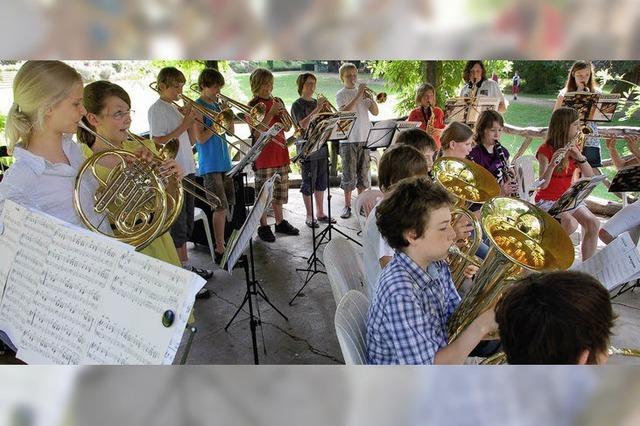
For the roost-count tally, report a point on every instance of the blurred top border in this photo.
(319, 29)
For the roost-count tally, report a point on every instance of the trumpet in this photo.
(328, 107)
(222, 121)
(379, 97)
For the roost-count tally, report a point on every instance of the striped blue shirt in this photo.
(407, 321)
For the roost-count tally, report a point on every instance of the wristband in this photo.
(581, 162)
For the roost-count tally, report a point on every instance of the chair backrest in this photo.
(366, 202)
(523, 168)
(351, 327)
(344, 269)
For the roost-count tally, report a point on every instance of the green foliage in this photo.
(542, 76)
(403, 77)
(629, 97)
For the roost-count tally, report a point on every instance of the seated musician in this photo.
(457, 140)
(560, 317)
(407, 321)
(489, 152)
(421, 141)
(431, 117)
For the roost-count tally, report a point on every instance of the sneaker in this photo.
(346, 213)
(204, 273)
(265, 234)
(312, 223)
(204, 293)
(285, 227)
(325, 219)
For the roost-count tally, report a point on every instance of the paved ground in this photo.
(308, 337)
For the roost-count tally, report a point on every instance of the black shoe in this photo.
(325, 219)
(346, 213)
(265, 234)
(204, 293)
(285, 227)
(204, 273)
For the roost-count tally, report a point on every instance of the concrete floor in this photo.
(309, 336)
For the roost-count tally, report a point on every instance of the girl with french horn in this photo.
(431, 117)
(47, 106)
(560, 164)
(108, 113)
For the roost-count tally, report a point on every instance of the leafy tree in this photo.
(403, 77)
(543, 76)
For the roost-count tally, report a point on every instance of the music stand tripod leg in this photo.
(187, 348)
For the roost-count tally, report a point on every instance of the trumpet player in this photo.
(560, 164)
(355, 157)
(314, 169)
(166, 123)
(429, 115)
(274, 158)
(213, 156)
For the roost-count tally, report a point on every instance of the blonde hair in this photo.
(38, 86)
(344, 67)
(258, 77)
(421, 90)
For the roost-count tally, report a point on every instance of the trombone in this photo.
(222, 120)
(288, 122)
(380, 97)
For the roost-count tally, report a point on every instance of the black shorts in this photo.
(593, 155)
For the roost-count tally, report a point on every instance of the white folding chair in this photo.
(365, 202)
(198, 214)
(351, 327)
(523, 168)
(344, 267)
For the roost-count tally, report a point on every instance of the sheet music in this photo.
(256, 149)
(251, 224)
(381, 134)
(74, 297)
(617, 263)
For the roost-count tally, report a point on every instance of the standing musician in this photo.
(314, 169)
(561, 163)
(47, 106)
(213, 156)
(355, 157)
(109, 114)
(430, 116)
(167, 123)
(477, 84)
(274, 158)
(489, 153)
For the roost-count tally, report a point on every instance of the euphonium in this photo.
(469, 183)
(522, 237)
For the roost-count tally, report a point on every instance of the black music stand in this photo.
(383, 133)
(339, 126)
(592, 107)
(233, 255)
(575, 195)
(626, 180)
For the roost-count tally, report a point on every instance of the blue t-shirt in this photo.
(213, 155)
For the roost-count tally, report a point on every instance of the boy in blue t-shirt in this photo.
(213, 155)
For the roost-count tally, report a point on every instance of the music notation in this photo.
(74, 297)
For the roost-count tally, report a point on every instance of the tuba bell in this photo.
(469, 183)
(523, 238)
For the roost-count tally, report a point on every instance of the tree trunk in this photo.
(430, 72)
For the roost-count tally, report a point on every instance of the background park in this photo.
(540, 82)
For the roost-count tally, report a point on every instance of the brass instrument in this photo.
(222, 121)
(253, 116)
(500, 358)
(523, 237)
(139, 202)
(169, 150)
(469, 183)
(379, 97)
(429, 125)
(327, 107)
(288, 122)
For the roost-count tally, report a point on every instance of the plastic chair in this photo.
(365, 202)
(198, 214)
(523, 168)
(344, 268)
(351, 327)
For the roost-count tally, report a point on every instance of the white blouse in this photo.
(35, 182)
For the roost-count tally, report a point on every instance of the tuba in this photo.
(523, 238)
(469, 183)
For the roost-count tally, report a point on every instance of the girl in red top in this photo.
(559, 168)
(425, 98)
(274, 157)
